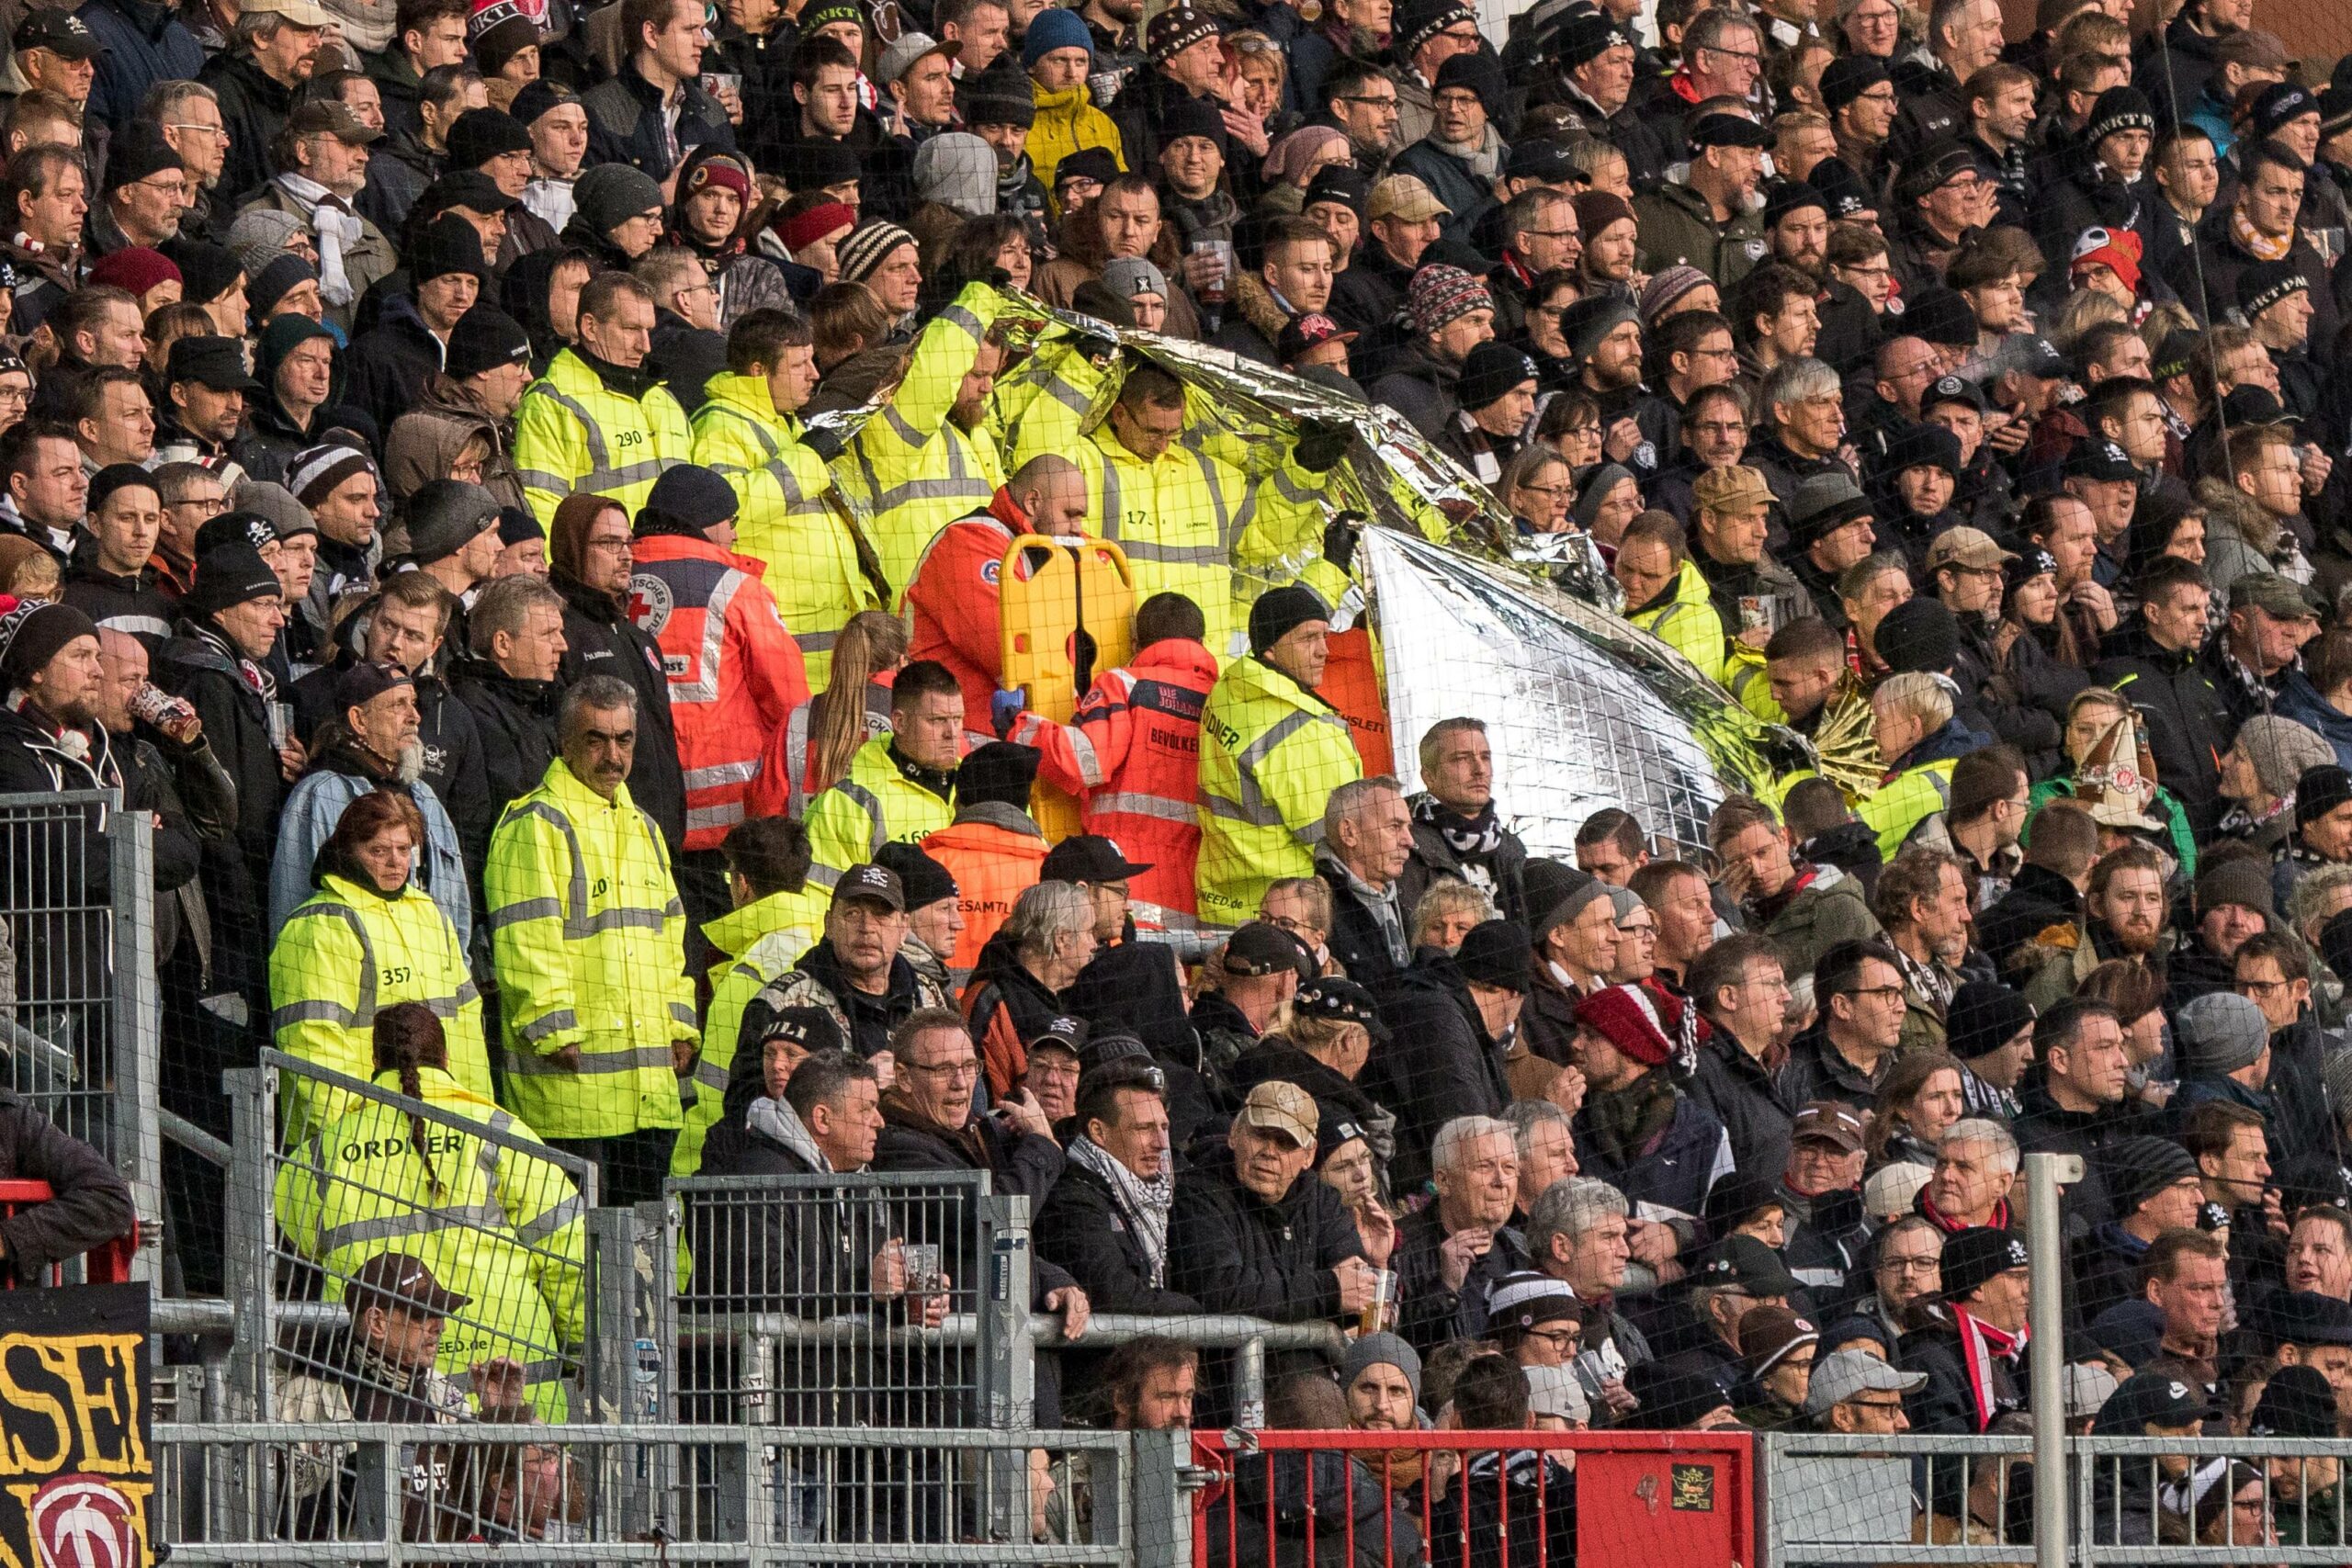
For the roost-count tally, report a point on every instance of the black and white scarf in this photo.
(1144, 1204)
(1470, 838)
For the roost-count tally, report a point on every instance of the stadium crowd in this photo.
(420, 498)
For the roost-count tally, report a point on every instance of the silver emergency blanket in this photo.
(1584, 711)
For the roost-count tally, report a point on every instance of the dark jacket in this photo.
(604, 641)
(92, 1205)
(2189, 723)
(1439, 1064)
(1430, 1313)
(393, 366)
(1504, 872)
(196, 665)
(128, 604)
(1080, 1229)
(1422, 387)
(1746, 1100)
(54, 870)
(1520, 1513)
(1357, 940)
(1353, 1520)
(515, 735)
(2044, 1128)
(253, 107)
(625, 122)
(145, 44)
(2038, 899)
(1234, 1252)
(1815, 1070)
(1671, 1162)
(1943, 1404)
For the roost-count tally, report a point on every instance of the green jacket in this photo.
(2167, 809)
(1677, 226)
(2324, 1509)
(1830, 911)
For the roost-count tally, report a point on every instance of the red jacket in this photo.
(1132, 752)
(735, 672)
(788, 763)
(952, 604)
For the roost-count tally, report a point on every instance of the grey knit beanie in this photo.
(2281, 751)
(1382, 1350)
(958, 169)
(260, 236)
(2219, 1032)
(609, 195)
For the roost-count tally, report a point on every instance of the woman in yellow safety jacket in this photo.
(365, 940)
(500, 1226)
(1920, 741)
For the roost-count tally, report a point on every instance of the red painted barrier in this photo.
(1474, 1499)
(108, 1265)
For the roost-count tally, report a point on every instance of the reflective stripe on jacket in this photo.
(994, 852)
(493, 1223)
(790, 517)
(1177, 517)
(735, 673)
(873, 806)
(919, 469)
(763, 940)
(1271, 752)
(588, 941)
(343, 955)
(956, 609)
(1132, 753)
(1688, 623)
(574, 434)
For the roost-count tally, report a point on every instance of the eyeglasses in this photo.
(1554, 491)
(1377, 102)
(968, 1069)
(1749, 55)
(1909, 1265)
(1556, 235)
(1558, 1338)
(2262, 988)
(1875, 992)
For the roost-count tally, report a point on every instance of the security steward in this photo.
(1271, 752)
(1132, 754)
(735, 673)
(588, 940)
(820, 570)
(993, 849)
(901, 785)
(927, 457)
(600, 420)
(369, 937)
(502, 1229)
(1176, 509)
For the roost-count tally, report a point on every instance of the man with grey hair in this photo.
(255, 77)
(1456, 829)
(1367, 837)
(1576, 1233)
(1547, 1149)
(1803, 402)
(1016, 994)
(1450, 1255)
(1976, 1167)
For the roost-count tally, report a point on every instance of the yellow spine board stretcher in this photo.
(1067, 614)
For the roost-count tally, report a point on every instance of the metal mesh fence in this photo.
(387, 1205)
(824, 1301)
(317, 1493)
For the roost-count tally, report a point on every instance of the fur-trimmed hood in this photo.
(2226, 505)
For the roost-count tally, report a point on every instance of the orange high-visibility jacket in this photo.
(735, 671)
(1133, 753)
(994, 852)
(953, 606)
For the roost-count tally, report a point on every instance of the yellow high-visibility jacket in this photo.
(761, 940)
(1271, 752)
(873, 805)
(501, 1226)
(574, 433)
(918, 469)
(1177, 517)
(343, 955)
(588, 938)
(1896, 807)
(788, 519)
(1688, 623)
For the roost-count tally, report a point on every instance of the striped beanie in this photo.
(314, 471)
(865, 249)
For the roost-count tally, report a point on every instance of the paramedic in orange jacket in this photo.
(735, 671)
(953, 601)
(992, 849)
(1132, 753)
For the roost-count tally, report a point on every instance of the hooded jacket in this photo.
(2188, 722)
(601, 640)
(421, 442)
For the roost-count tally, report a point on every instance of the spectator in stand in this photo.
(1367, 842)
(1458, 1012)
(1970, 1343)
(1853, 1390)
(1858, 988)
(1451, 1255)
(1906, 1269)
(1106, 1220)
(1578, 1233)
(1738, 987)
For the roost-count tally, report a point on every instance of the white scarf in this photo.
(1144, 1203)
(337, 227)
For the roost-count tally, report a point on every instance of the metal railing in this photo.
(496, 1215)
(1832, 1499)
(324, 1493)
(81, 1018)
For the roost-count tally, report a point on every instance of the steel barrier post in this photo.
(1249, 1383)
(2046, 1351)
(138, 1024)
(1008, 1357)
(1161, 1480)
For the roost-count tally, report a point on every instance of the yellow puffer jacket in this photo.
(1067, 121)
(1271, 752)
(346, 953)
(589, 941)
(788, 520)
(493, 1223)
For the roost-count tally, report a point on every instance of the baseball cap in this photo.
(2101, 460)
(874, 885)
(1278, 1107)
(334, 117)
(1746, 1263)
(1091, 858)
(1341, 1002)
(1555, 1391)
(63, 33)
(900, 57)
(398, 1280)
(2152, 1396)
(1843, 1374)
(1966, 547)
(1953, 389)
(1260, 949)
(2273, 593)
(1309, 331)
(1403, 196)
(1827, 1122)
